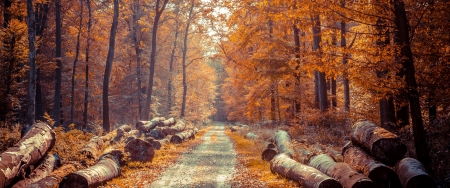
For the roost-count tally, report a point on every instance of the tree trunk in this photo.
(109, 61)
(168, 122)
(401, 21)
(117, 134)
(147, 126)
(140, 150)
(158, 13)
(77, 51)
(86, 88)
(268, 154)
(134, 134)
(157, 144)
(117, 153)
(283, 142)
(91, 149)
(57, 98)
(348, 177)
(382, 144)
(412, 174)
(297, 69)
(183, 63)
(28, 151)
(309, 177)
(54, 178)
(320, 76)
(44, 169)
(169, 84)
(31, 23)
(161, 132)
(362, 162)
(182, 137)
(344, 62)
(106, 168)
(137, 49)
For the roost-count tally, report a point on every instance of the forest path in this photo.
(210, 164)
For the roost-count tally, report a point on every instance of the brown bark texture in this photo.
(55, 177)
(134, 134)
(308, 176)
(146, 126)
(346, 175)
(182, 137)
(362, 162)
(157, 144)
(283, 142)
(105, 169)
(161, 132)
(167, 122)
(116, 135)
(268, 154)
(92, 148)
(412, 174)
(115, 152)
(28, 151)
(47, 165)
(140, 150)
(382, 144)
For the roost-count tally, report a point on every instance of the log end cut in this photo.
(74, 180)
(330, 183)
(412, 174)
(140, 150)
(268, 154)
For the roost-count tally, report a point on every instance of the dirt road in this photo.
(210, 164)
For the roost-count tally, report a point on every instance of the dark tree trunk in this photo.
(172, 57)
(342, 172)
(25, 153)
(412, 174)
(344, 62)
(86, 87)
(183, 63)
(46, 166)
(320, 76)
(58, 76)
(77, 52)
(272, 102)
(401, 22)
(6, 13)
(106, 168)
(137, 49)
(387, 113)
(297, 69)
(31, 23)
(109, 61)
(308, 176)
(382, 144)
(158, 13)
(431, 107)
(40, 27)
(283, 142)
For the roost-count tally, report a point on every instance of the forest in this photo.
(87, 68)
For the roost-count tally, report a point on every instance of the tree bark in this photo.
(147, 126)
(344, 62)
(77, 51)
(158, 13)
(412, 174)
(342, 172)
(309, 177)
(117, 153)
(401, 21)
(86, 87)
(169, 84)
(283, 142)
(183, 61)
(54, 178)
(109, 61)
(105, 169)
(382, 144)
(140, 150)
(297, 68)
(137, 49)
(362, 162)
(268, 154)
(182, 137)
(320, 76)
(93, 147)
(161, 132)
(28, 151)
(157, 144)
(117, 134)
(167, 123)
(31, 23)
(44, 169)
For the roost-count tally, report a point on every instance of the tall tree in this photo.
(172, 57)
(86, 87)
(41, 21)
(57, 97)
(344, 62)
(183, 61)
(320, 81)
(136, 12)
(158, 13)
(31, 23)
(77, 51)
(109, 61)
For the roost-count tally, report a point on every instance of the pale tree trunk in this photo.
(148, 102)
(109, 61)
(138, 52)
(169, 84)
(57, 98)
(77, 51)
(31, 22)
(186, 32)
(86, 87)
(344, 62)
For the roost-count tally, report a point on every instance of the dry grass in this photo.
(9, 136)
(137, 174)
(252, 171)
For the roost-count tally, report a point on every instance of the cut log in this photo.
(116, 134)
(270, 145)
(283, 142)
(28, 151)
(93, 147)
(55, 177)
(412, 174)
(146, 126)
(268, 154)
(140, 150)
(45, 167)
(347, 176)
(182, 137)
(234, 128)
(251, 136)
(157, 144)
(382, 144)
(309, 177)
(105, 169)
(168, 122)
(362, 162)
(162, 132)
(134, 134)
(115, 152)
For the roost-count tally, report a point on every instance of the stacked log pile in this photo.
(373, 158)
